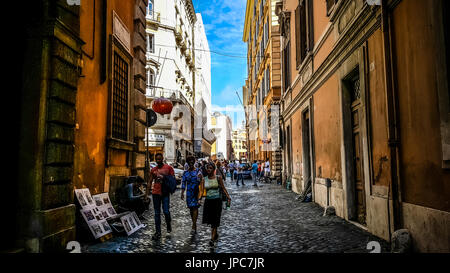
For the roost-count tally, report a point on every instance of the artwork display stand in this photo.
(100, 216)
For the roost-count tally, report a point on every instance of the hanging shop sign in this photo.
(156, 138)
(155, 144)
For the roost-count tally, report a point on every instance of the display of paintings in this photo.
(106, 227)
(88, 215)
(81, 199)
(98, 201)
(100, 229)
(87, 195)
(136, 218)
(84, 197)
(111, 211)
(130, 223)
(103, 202)
(97, 209)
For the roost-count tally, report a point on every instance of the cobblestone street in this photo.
(266, 219)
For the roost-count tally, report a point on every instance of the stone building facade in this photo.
(171, 74)
(365, 112)
(239, 138)
(222, 128)
(261, 33)
(82, 97)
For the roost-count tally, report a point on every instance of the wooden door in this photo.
(360, 195)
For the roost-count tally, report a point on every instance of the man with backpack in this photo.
(161, 178)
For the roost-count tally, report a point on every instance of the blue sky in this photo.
(224, 24)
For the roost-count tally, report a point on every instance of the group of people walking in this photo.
(202, 184)
(259, 169)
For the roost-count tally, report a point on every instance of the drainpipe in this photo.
(393, 121)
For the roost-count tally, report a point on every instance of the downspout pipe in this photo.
(393, 121)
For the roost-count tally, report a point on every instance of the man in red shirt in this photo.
(156, 178)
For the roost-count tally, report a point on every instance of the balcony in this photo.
(192, 64)
(183, 45)
(153, 18)
(173, 95)
(178, 34)
(188, 56)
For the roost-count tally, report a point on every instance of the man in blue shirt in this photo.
(254, 172)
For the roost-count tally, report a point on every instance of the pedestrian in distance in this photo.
(154, 188)
(190, 182)
(219, 170)
(232, 170)
(240, 175)
(212, 209)
(255, 172)
(259, 168)
(267, 170)
(261, 174)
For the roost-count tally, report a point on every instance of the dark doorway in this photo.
(352, 109)
(306, 140)
(289, 150)
(353, 85)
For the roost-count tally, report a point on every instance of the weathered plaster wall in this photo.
(377, 112)
(423, 180)
(320, 19)
(430, 228)
(327, 130)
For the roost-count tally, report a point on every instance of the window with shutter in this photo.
(297, 35)
(303, 30)
(303, 37)
(287, 66)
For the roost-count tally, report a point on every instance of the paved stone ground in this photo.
(266, 219)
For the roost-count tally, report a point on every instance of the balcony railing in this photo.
(174, 95)
(153, 16)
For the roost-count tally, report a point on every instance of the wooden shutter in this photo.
(303, 34)
(297, 34)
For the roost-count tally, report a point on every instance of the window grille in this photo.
(120, 99)
(356, 89)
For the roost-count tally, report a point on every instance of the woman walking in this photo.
(191, 182)
(212, 210)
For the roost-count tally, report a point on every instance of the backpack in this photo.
(169, 185)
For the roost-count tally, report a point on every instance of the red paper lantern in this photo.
(162, 106)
